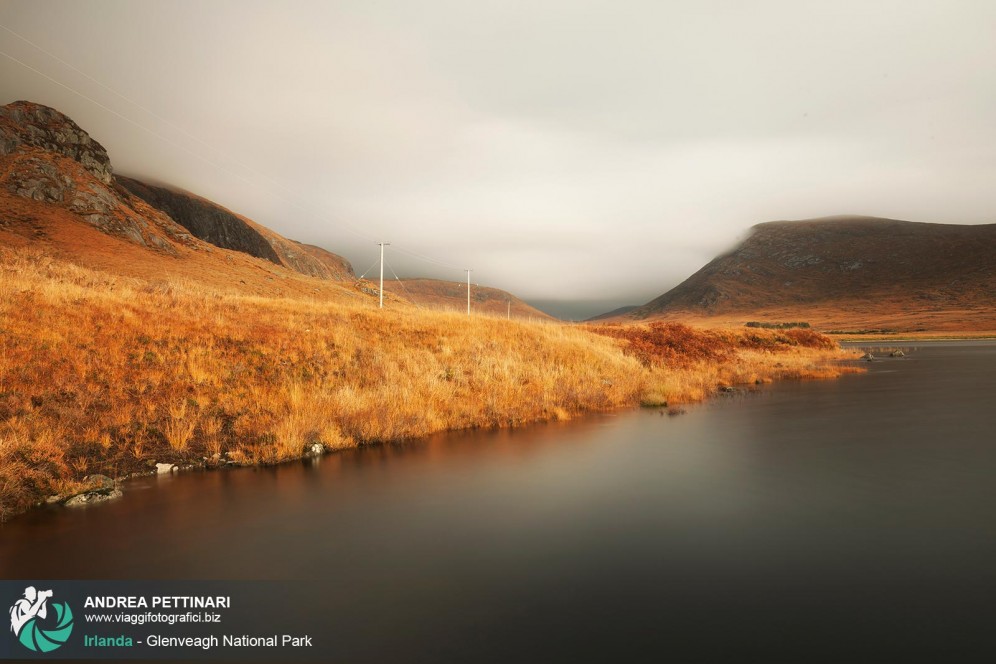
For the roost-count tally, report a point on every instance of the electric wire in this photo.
(402, 284)
(372, 266)
(292, 199)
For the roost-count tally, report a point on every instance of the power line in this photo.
(292, 199)
(427, 259)
(405, 288)
(136, 104)
(372, 265)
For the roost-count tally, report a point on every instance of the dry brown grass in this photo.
(684, 364)
(107, 374)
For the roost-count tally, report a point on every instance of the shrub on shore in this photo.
(775, 326)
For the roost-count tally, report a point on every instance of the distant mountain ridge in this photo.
(453, 295)
(846, 264)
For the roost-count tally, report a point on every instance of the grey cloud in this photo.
(570, 150)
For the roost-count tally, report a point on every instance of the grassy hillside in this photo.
(109, 374)
(847, 273)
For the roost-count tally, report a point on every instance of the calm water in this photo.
(852, 520)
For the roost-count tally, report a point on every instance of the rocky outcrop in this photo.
(98, 488)
(46, 157)
(30, 124)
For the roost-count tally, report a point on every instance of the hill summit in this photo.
(846, 270)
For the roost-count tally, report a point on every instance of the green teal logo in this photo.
(28, 621)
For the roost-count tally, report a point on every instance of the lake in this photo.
(847, 520)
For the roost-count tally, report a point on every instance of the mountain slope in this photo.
(615, 313)
(59, 194)
(221, 227)
(847, 270)
(46, 158)
(206, 221)
(436, 293)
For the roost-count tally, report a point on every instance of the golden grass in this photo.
(106, 374)
(684, 364)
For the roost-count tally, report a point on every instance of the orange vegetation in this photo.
(683, 363)
(109, 374)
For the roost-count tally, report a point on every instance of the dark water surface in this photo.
(848, 520)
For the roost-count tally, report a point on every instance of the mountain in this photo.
(49, 159)
(615, 313)
(440, 294)
(59, 193)
(846, 272)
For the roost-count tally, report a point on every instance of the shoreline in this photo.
(925, 339)
(117, 488)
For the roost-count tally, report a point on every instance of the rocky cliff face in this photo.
(46, 157)
(221, 227)
(24, 123)
(209, 222)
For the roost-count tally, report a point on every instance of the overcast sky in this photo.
(568, 150)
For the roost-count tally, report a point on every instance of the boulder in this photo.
(99, 488)
(34, 125)
(165, 468)
(90, 497)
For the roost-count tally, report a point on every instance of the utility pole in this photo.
(382, 245)
(468, 271)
